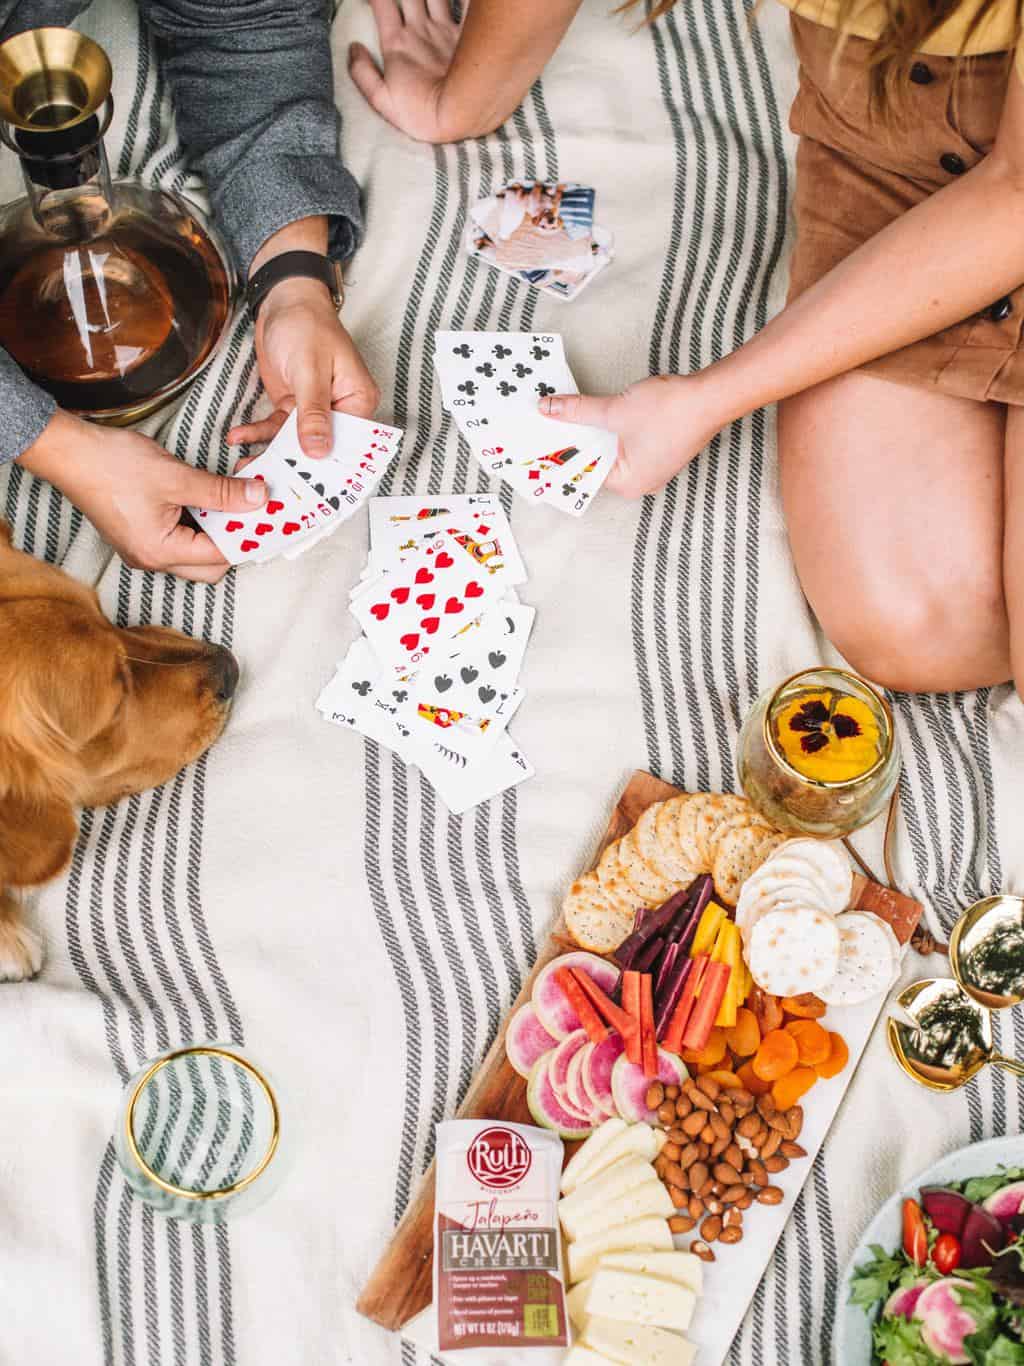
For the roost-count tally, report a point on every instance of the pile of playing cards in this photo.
(491, 383)
(543, 233)
(306, 499)
(435, 677)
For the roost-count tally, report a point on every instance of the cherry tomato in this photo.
(915, 1236)
(946, 1253)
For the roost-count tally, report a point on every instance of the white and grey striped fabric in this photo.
(301, 892)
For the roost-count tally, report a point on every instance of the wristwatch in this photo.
(309, 265)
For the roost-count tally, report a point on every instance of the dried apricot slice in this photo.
(813, 1043)
(837, 1059)
(711, 1054)
(788, 1090)
(805, 1007)
(744, 1038)
(777, 1055)
(725, 1078)
(751, 1081)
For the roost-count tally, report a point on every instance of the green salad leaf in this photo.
(878, 1278)
(1003, 1351)
(898, 1342)
(979, 1188)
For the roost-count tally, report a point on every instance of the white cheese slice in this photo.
(575, 1302)
(595, 1145)
(631, 1344)
(635, 1298)
(682, 1267)
(638, 1140)
(612, 1184)
(638, 1203)
(640, 1234)
(584, 1356)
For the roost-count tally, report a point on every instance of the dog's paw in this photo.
(21, 951)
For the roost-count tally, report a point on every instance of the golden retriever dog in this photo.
(88, 714)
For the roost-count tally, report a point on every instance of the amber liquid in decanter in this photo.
(106, 322)
(113, 295)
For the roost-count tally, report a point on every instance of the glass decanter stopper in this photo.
(113, 296)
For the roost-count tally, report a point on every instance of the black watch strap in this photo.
(310, 265)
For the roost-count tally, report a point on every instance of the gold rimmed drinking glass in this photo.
(819, 754)
(943, 1038)
(199, 1133)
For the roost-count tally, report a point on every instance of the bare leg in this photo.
(894, 502)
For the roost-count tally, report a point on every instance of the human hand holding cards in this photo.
(491, 383)
(306, 499)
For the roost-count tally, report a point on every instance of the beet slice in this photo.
(948, 1210)
(982, 1240)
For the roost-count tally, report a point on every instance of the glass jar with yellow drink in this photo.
(819, 753)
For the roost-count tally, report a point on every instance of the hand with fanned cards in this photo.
(307, 499)
(491, 383)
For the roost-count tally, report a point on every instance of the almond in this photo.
(748, 1126)
(666, 1113)
(727, 1174)
(684, 1106)
(698, 1174)
(679, 1197)
(701, 1250)
(680, 1223)
(693, 1124)
(655, 1095)
(711, 1228)
(671, 1093)
(776, 1164)
(696, 1207)
(770, 1195)
(771, 1144)
(791, 1149)
(731, 1235)
(709, 1086)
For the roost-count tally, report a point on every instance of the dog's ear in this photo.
(37, 836)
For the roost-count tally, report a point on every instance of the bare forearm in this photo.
(503, 49)
(945, 259)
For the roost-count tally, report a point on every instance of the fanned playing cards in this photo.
(435, 677)
(491, 383)
(306, 499)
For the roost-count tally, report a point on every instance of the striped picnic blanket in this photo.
(301, 892)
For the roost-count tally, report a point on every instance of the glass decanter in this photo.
(113, 296)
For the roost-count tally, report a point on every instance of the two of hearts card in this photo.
(307, 499)
(491, 383)
(542, 232)
(435, 676)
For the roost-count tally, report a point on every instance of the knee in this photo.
(923, 637)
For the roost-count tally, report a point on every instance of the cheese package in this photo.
(498, 1283)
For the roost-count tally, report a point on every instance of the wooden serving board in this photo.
(401, 1284)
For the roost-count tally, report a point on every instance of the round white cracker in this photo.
(651, 848)
(666, 835)
(780, 868)
(592, 920)
(647, 883)
(718, 808)
(832, 864)
(794, 951)
(759, 901)
(737, 855)
(608, 864)
(869, 957)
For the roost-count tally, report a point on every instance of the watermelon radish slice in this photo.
(902, 1303)
(944, 1321)
(554, 1009)
(630, 1086)
(558, 1072)
(597, 1072)
(544, 1106)
(578, 1098)
(1006, 1202)
(526, 1040)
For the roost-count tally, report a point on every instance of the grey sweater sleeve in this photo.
(253, 92)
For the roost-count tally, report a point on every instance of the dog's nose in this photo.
(224, 668)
